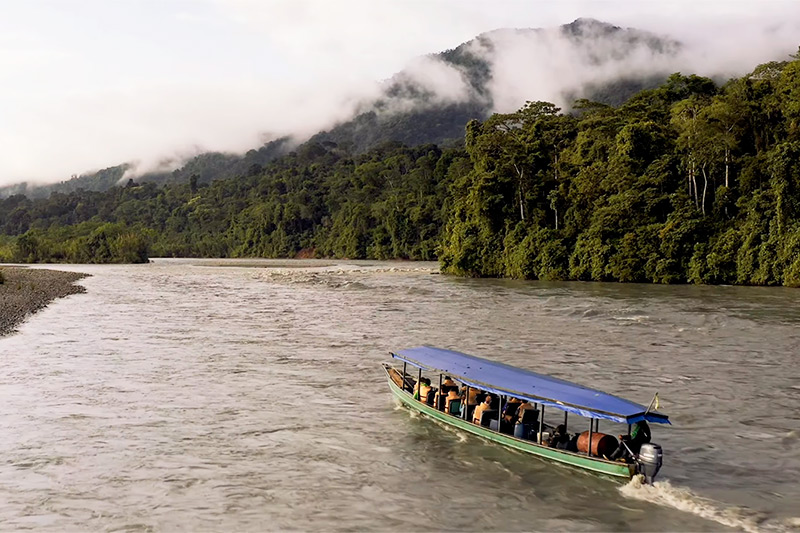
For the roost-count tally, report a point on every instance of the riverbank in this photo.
(23, 291)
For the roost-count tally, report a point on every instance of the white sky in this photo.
(87, 84)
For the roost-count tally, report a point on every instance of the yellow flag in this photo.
(655, 404)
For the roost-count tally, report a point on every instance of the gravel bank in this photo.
(27, 290)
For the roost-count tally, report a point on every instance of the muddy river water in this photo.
(248, 396)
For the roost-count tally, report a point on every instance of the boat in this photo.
(530, 436)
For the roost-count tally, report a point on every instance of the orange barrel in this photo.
(602, 444)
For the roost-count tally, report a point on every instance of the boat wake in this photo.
(683, 499)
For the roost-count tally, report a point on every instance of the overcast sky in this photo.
(87, 84)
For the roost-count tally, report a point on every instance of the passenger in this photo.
(448, 382)
(560, 438)
(572, 445)
(473, 396)
(425, 390)
(510, 410)
(486, 405)
(437, 399)
(522, 408)
(640, 434)
(452, 395)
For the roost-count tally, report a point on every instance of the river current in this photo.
(248, 396)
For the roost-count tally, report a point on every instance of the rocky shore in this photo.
(24, 291)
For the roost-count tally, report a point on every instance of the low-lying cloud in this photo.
(227, 75)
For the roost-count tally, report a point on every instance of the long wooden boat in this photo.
(506, 381)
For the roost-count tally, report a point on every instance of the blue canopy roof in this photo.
(510, 381)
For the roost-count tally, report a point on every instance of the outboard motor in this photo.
(649, 461)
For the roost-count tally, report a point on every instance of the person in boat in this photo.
(560, 438)
(510, 410)
(422, 395)
(640, 434)
(486, 405)
(473, 396)
(452, 395)
(449, 393)
(522, 408)
(448, 385)
(425, 390)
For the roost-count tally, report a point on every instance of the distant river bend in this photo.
(247, 395)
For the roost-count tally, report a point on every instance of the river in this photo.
(248, 396)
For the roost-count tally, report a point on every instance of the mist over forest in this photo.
(629, 173)
(430, 100)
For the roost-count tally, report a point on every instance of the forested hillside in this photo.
(207, 166)
(389, 203)
(410, 110)
(424, 119)
(687, 182)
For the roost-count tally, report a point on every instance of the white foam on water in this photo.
(683, 499)
(633, 318)
(458, 433)
(793, 522)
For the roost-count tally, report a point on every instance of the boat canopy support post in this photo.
(541, 424)
(404, 375)
(591, 426)
(419, 386)
(565, 421)
(465, 407)
(438, 397)
(499, 413)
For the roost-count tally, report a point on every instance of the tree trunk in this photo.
(705, 187)
(727, 165)
(521, 175)
(556, 168)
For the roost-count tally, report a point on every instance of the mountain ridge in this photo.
(413, 112)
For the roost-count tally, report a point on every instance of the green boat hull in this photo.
(601, 466)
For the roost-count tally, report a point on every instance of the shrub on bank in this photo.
(83, 243)
(6, 249)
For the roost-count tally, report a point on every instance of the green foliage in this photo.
(318, 201)
(6, 249)
(88, 242)
(685, 182)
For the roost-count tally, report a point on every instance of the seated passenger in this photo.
(522, 407)
(452, 395)
(560, 438)
(572, 445)
(510, 410)
(473, 396)
(476, 415)
(425, 383)
(448, 382)
(425, 390)
(640, 434)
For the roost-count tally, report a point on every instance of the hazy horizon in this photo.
(90, 84)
